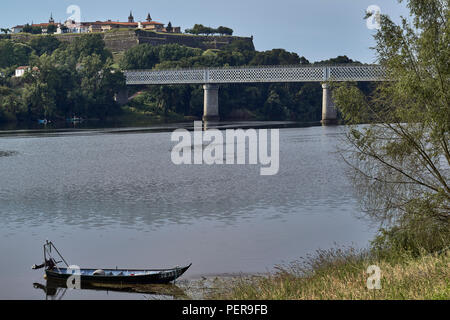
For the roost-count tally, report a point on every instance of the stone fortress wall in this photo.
(122, 40)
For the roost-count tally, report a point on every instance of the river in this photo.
(113, 197)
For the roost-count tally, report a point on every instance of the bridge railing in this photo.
(257, 74)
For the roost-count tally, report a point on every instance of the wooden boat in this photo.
(107, 276)
(119, 276)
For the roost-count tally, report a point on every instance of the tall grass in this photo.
(340, 274)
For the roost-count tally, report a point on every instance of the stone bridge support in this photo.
(211, 102)
(329, 112)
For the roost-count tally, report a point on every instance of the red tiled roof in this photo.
(129, 24)
(42, 24)
(151, 22)
(104, 23)
(36, 25)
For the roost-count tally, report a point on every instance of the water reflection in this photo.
(57, 290)
(109, 195)
(129, 179)
(7, 153)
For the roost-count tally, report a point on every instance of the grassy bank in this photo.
(341, 275)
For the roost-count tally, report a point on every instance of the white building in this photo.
(20, 71)
(17, 29)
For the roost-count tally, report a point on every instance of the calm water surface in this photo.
(113, 198)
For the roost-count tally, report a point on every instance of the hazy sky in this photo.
(316, 29)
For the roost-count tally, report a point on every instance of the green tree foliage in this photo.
(174, 52)
(224, 31)
(99, 83)
(337, 60)
(402, 158)
(199, 29)
(14, 54)
(274, 108)
(241, 46)
(44, 44)
(88, 45)
(169, 27)
(78, 78)
(27, 28)
(144, 56)
(276, 57)
(10, 104)
(65, 79)
(32, 29)
(52, 28)
(301, 102)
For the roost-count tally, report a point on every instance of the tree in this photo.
(209, 31)
(274, 108)
(241, 45)
(401, 159)
(14, 54)
(45, 44)
(144, 56)
(72, 79)
(337, 60)
(200, 29)
(174, 52)
(224, 31)
(32, 29)
(169, 27)
(5, 30)
(275, 57)
(90, 44)
(9, 104)
(27, 28)
(51, 29)
(99, 83)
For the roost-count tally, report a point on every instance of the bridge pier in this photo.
(211, 102)
(329, 112)
(122, 97)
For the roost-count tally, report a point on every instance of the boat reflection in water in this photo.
(156, 282)
(56, 290)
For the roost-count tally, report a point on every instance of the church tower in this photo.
(131, 18)
(149, 17)
(51, 19)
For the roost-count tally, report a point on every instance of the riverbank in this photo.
(342, 275)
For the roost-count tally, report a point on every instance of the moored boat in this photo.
(112, 276)
(119, 276)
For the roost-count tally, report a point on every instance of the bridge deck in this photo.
(257, 74)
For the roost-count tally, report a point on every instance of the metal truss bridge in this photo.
(210, 78)
(266, 74)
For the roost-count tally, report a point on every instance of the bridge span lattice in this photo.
(211, 78)
(266, 74)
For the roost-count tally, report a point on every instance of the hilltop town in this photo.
(120, 36)
(72, 26)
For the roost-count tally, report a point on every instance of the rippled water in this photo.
(113, 198)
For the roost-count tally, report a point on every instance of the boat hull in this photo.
(132, 276)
